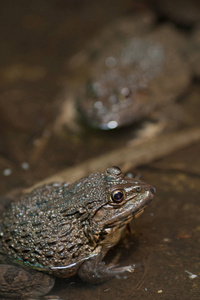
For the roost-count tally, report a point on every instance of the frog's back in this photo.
(45, 229)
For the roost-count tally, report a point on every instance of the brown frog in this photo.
(131, 71)
(62, 230)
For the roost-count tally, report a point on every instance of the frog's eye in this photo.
(138, 189)
(118, 195)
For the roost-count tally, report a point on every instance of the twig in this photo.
(130, 156)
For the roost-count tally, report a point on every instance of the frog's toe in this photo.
(94, 271)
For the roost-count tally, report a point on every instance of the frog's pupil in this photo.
(117, 196)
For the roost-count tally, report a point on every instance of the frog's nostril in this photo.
(153, 190)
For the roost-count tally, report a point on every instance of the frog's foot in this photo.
(95, 271)
(16, 282)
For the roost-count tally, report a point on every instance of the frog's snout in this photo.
(151, 193)
(153, 190)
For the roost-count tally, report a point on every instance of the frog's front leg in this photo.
(19, 283)
(94, 270)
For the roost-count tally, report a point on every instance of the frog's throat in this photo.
(107, 231)
(110, 236)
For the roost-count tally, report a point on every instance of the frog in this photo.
(134, 70)
(61, 230)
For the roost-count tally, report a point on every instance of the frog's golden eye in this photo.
(118, 195)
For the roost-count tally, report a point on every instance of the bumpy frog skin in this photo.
(64, 230)
(132, 71)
